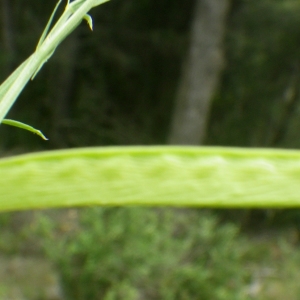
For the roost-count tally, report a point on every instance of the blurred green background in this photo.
(119, 85)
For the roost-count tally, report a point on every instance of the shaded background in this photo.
(205, 72)
(119, 85)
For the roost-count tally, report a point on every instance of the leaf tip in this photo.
(39, 133)
(89, 20)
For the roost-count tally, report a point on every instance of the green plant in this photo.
(178, 176)
(10, 89)
(209, 257)
(133, 253)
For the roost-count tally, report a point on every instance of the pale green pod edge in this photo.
(177, 176)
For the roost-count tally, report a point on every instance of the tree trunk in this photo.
(201, 71)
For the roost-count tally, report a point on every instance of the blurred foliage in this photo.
(258, 101)
(133, 253)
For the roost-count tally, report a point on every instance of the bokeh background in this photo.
(200, 72)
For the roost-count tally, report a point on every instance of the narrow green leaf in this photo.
(74, 12)
(23, 126)
(99, 2)
(46, 30)
(41, 64)
(89, 20)
(6, 85)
